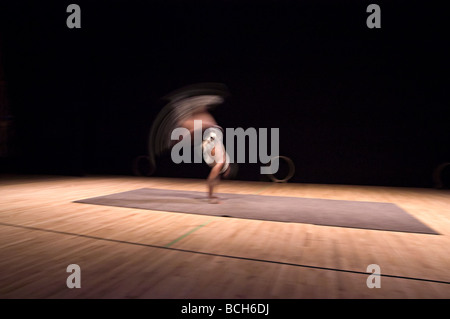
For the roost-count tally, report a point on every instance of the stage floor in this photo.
(134, 253)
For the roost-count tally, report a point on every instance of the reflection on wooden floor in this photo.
(132, 253)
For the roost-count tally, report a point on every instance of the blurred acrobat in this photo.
(189, 108)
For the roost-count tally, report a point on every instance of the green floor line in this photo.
(188, 233)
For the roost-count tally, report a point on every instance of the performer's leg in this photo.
(226, 174)
(213, 180)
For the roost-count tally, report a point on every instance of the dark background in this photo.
(354, 105)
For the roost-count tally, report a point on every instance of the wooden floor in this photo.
(132, 253)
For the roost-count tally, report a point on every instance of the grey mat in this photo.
(327, 212)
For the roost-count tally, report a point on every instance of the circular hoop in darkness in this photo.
(437, 175)
(290, 173)
(142, 166)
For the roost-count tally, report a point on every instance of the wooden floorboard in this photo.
(132, 253)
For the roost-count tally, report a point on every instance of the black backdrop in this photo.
(354, 105)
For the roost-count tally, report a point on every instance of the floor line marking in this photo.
(221, 255)
(188, 233)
